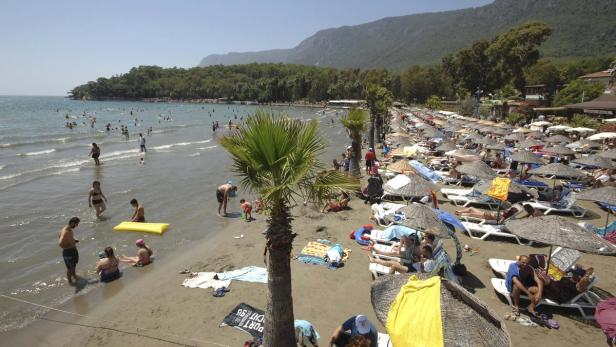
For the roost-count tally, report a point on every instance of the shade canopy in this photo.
(422, 218)
(610, 154)
(477, 169)
(526, 157)
(466, 320)
(606, 195)
(400, 166)
(596, 161)
(605, 102)
(557, 169)
(557, 139)
(529, 143)
(559, 150)
(414, 186)
(446, 147)
(602, 136)
(558, 231)
(515, 137)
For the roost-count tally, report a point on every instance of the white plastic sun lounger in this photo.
(582, 301)
(483, 231)
(384, 209)
(446, 192)
(563, 258)
(548, 208)
(465, 201)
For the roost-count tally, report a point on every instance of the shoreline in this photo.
(153, 309)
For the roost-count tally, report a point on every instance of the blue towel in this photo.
(513, 271)
(449, 218)
(531, 183)
(247, 274)
(396, 232)
(425, 172)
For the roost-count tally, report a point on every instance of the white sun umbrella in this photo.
(581, 130)
(602, 136)
(558, 127)
(522, 130)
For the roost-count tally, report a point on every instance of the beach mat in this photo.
(247, 319)
(153, 228)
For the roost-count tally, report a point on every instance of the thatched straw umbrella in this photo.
(515, 137)
(529, 143)
(596, 161)
(496, 146)
(467, 321)
(558, 231)
(559, 150)
(477, 169)
(610, 154)
(606, 195)
(557, 139)
(400, 166)
(416, 187)
(526, 157)
(558, 169)
(446, 147)
(422, 218)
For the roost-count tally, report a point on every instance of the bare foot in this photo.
(370, 258)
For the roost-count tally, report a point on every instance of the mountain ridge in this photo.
(581, 28)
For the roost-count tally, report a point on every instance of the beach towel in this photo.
(246, 274)
(205, 280)
(512, 271)
(396, 232)
(449, 219)
(247, 319)
(414, 318)
(499, 189)
(315, 252)
(605, 314)
(425, 172)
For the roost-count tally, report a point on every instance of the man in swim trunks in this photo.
(139, 214)
(142, 143)
(68, 243)
(95, 152)
(222, 195)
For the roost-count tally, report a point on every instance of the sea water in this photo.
(46, 173)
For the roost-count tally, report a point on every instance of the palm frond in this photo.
(356, 120)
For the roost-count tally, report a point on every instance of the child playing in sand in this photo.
(258, 203)
(247, 208)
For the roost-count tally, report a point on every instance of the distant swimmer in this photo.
(95, 152)
(144, 255)
(97, 199)
(68, 243)
(222, 195)
(142, 143)
(139, 214)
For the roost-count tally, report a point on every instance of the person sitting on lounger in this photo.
(144, 254)
(521, 278)
(566, 288)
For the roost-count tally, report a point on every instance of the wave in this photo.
(194, 154)
(47, 151)
(208, 147)
(50, 140)
(180, 144)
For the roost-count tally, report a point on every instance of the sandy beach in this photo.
(149, 307)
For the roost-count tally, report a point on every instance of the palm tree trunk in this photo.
(379, 130)
(371, 130)
(279, 322)
(354, 166)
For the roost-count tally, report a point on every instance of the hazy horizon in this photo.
(52, 47)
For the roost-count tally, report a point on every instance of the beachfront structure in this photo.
(598, 77)
(346, 103)
(604, 106)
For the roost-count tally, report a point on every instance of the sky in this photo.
(49, 47)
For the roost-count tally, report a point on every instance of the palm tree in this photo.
(379, 99)
(355, 122)
(277, 159)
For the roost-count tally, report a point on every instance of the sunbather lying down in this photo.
(490, 215)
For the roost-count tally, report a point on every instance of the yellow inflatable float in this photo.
(154, 228)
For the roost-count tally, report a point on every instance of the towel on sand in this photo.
(315, 252)
(205, 280)
(414, 318)
(246, 274)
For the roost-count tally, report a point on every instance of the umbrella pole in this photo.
(498, 211)
(547, 265)
(607, 218)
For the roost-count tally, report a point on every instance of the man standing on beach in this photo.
(142, 143)
(370, 157)
(68, 243)
(222, 195)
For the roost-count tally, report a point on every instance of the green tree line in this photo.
(502, 67)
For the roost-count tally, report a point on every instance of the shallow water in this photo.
(45, 175)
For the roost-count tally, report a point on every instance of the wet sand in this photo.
(149, 307)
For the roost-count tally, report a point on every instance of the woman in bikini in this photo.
(97, 199)
(95, 152)
(107, 268)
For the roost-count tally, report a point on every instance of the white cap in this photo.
(363, 324)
